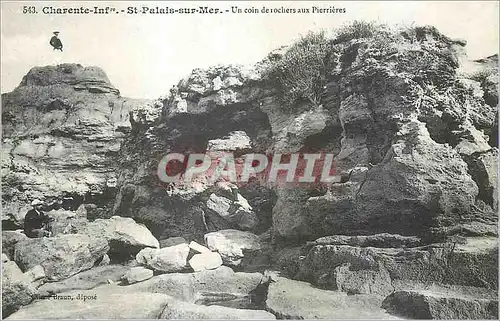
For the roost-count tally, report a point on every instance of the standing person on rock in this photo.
(36, 222)
(55, 42)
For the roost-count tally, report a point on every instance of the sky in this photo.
(144, 55)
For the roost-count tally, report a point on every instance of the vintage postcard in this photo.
(249, 159)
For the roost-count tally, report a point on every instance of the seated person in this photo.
(36, 222)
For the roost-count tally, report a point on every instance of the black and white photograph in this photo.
(249, 160)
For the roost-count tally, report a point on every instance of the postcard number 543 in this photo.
(29, 9)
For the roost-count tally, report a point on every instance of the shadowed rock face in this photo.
(412, 146)
(62, 129)
(410, 227)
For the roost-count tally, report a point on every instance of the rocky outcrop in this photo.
(96, 304)
(202, 287)
(232, 245)
(289, 299)
(137, 274)
(62, 256)
(16, 288)
(236, 124)
(380, 271)
(171, 241)
(9, 240)
(408, 224)
(411, 146)
(86, 280)
(183, 310)
(435, 305)
(123, 234)
(62, 128)
(167, 259)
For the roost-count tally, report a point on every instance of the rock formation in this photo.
(408, 230)
(62, 129)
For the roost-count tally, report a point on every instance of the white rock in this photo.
(237, 211)
(35, 273)
(198, 247)
(217, 83)
(219, 205)
(236, 140)
(178, 310)
(137, 274)
(167, 259)
(232, 82)
(205, 261)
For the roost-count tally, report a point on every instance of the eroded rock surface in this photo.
(382, 270)
(409, 224)
(123, 234)
(432, 305)
(16, 288)
(100, 304)
(86, 280)
(167, 259)
(61, 131)
(61, 256)
(232, 244)
(201, 286)
(289, 299)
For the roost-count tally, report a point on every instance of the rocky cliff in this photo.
(415, 136)
(62, 129)
(409, 229)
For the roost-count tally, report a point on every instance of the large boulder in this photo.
(16, 288)
(205, 261)
(232, 245)
(123, 234)
(96, 304)
(9, 240)
(233, 208)
(137, 274)
(167, 259)
(288, 299)
(68, 222)
(370, 270)
(36, 273)
(441, 305)
(61, 256)
(86, 280)
(204, 287)
(61, 132)
(188, 311)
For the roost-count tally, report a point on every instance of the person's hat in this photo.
(36, 202)
(56, 32)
